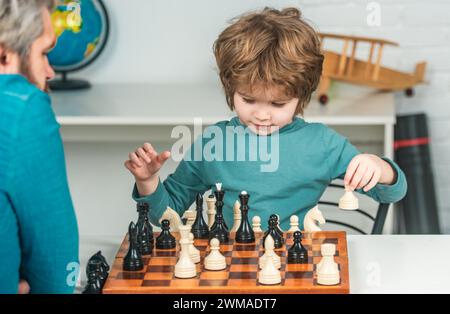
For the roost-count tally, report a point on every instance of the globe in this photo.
(82, 29)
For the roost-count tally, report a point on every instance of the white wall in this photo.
(171, 41)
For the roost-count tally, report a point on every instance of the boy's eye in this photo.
(249, 101)
(278, 104)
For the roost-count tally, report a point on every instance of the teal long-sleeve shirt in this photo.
(301, 163)
(38, 227)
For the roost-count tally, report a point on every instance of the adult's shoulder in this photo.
(22, 103)
(16, 90)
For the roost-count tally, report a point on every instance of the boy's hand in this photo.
(366, 171)
(24, 287)
(145, 162)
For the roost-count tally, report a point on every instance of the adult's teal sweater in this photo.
(38, 227)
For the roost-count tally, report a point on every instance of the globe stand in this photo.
(65, 84)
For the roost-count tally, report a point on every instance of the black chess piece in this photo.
(200, 229)
(219, 232)
(145, 230)
(297, 254)
(245, 232)
(165, 240)
(96, 272)
(133, 259)
(219, 229)
(278, 241)
(277, 227)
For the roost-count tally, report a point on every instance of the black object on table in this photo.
(165, 240)
(133, 259)
(418, 211)
(297, 253)
(245, 232)
(200, 229)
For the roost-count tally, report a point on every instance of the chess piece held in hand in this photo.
(348, 201)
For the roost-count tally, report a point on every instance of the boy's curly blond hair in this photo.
(273, 48)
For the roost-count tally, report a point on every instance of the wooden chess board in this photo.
(240, 276)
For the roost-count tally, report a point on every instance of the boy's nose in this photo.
(262, 116)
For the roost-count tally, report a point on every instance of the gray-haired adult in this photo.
(38, 227)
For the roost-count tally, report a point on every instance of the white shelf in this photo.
(160, 105)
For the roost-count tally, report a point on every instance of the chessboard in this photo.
(240, 276)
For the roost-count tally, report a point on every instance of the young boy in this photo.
(270, 63)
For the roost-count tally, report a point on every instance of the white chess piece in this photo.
(269, 253)
(237, 216)
(269, 275)
(215, 260)
(294, 224)
(185, 267)
(313, 217)
(348, 201)
(190, 215)
(184, 232)
(256, 224)
(173, 217)
(327, 269)
(211, 204)
(194, 253)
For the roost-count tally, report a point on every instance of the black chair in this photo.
(378, 220)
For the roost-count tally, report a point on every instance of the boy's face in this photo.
(264, 109)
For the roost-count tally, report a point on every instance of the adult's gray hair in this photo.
(21, 24)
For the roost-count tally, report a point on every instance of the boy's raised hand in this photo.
(366, 171)
(145, 162)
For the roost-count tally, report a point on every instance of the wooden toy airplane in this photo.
(342, 67)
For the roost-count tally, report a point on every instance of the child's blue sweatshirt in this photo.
(310, 156)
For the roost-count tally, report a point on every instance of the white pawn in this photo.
(269, 275)
(327, 269)
(269, 254)
(237, 216)
(294, 224)
(194, 253)
(349, 201)
(256, 224)
(215, 260)
(185, 267)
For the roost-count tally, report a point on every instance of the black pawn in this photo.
(200, 229)
(145, 230)
(219, 232)
(133, 259)
(165, 240)
(278, 241)
(245, 232)
(277, 227)
(297, 254)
